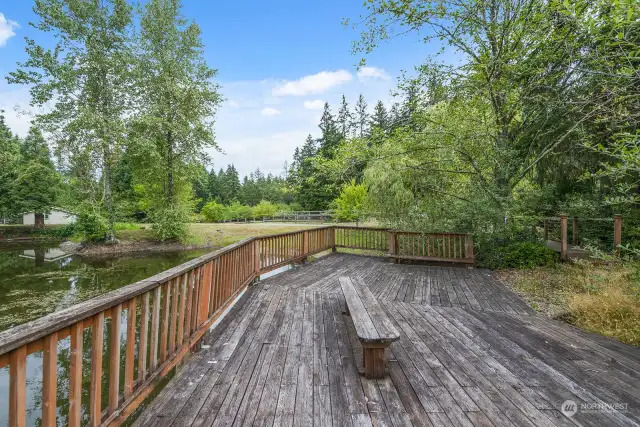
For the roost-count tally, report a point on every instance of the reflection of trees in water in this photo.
(34, 411)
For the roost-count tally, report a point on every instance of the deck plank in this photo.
(470, 353)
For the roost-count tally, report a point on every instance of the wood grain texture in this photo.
(49, 380)
(75, 375)
(95, 392)
(287, 355)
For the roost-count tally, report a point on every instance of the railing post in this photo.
(563, 237)
(391, 239)
(574, 231)
(332, 237)
(617, 232)
(256, 257)
(468, 243)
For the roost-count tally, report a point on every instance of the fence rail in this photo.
(603, 233)
(144, 329)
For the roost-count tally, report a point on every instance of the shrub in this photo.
(238, 211)
(264, 208)
(350, 203)
(171, 223)
(517, 255)
(213, 212)
(92, 226)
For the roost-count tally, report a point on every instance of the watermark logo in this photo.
(569, 408)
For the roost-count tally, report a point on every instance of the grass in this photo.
(215, 234)
(599, 298)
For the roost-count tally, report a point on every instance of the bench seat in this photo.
(373, 327)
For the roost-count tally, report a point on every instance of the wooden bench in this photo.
(374, 329)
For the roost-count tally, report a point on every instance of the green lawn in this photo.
(217, 234)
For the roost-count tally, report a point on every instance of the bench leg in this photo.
(373, 361)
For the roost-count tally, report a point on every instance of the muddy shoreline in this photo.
(126, 247)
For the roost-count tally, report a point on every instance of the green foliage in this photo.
(350, 204)
(517, 255)
(213, 211)
(264, 208)
(238, 211)
(92, 226)
(170, 223)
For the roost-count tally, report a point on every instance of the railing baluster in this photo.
(18, 387)
(95, 394)
(164, 334)
(144, 337)
(174, 314)
(183, 304)
(130, 350)
(75, 374)
(155, 329)
(187, 314)
(49, 379)
(114, 359)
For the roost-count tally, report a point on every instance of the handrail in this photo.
(155, 322)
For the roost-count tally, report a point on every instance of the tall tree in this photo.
(331, 135)
(9, 165)
(380, 119)
(361, 118)
(230, 187)
(345, 118)
(85, 77)
(178, 102)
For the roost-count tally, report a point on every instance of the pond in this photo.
(38, 280)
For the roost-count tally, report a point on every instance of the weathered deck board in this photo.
(470, 353)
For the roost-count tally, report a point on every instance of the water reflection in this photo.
(35, 281)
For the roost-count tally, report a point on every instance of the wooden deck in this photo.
(471, 353)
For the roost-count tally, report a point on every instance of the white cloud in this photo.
(6, 29)
(316, 104)
(366, 73)
(316, 83)
(269, 112)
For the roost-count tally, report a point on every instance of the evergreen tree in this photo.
(379, 119)
(345, 119)
(36, 185)
(9, 165)
(35, 148)
(331, 136)
(361, 117)
(230, 186)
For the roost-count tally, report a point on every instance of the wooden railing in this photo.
(443, 247)
(144, 329)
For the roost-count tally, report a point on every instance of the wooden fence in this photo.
(605, 233)
(148, 327)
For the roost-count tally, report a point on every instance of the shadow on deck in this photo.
(471, 353)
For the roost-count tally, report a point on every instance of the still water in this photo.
(36, 280)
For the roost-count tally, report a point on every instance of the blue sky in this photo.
(277, 61)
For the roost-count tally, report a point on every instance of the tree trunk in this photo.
(108, 199)
(170, 178)
(38, 220)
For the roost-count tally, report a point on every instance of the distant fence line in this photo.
(297, 216)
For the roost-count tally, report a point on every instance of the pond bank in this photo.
(123, 247)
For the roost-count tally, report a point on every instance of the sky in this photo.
(278, 61)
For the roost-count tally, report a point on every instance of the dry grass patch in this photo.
(598, 298)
